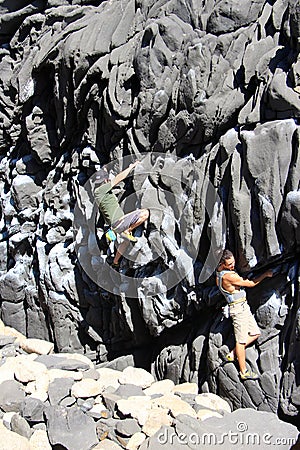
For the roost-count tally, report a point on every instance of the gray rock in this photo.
(20, 425)
(12, 286)
(229, 16)
(127, 427)
(6, 340)
(32, 409)
(240, 423)
(188, 398)
(56, 362)
(215, 83)
(110, 400)
(9, 351)
(25, 192)
(59, 390)
(12, 396)
(38, 136)
(128, 390)
(85, 405)
(70, 427)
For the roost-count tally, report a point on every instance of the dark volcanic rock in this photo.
(70, 428)
(59, 389)
(206, 95)
(32, 410)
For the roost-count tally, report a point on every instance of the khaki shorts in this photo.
(243, 321)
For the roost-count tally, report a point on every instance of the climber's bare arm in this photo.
(122, 175)
(232, 281)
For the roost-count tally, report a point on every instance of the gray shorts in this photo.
(126, 221)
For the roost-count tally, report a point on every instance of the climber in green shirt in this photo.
(113, 214)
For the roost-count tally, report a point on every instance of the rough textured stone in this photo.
(63, 363)
(140, 376)
(59, 389)
(127, 427)
(240, 422)
(32, 410)
(7, 370)
(203, 414)
(212, 401)
(70, 427)
(107, 444)
(135, 441)
(6, 419)
(98, 410)
(59, 373)
(11, 396)
(109, 377)
(160, 387)
(110, 400)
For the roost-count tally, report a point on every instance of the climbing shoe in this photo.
(128, 236)
(229, 357)
(115, 266)
(249, 375)
(110, 236)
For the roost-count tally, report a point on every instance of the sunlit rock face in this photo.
(206, 96)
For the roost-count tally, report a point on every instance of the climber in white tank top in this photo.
(245, 327)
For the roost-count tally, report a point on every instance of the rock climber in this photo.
(245, 327)
(113, 214)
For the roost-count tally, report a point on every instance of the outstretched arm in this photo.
(122, 175)
(235, 280)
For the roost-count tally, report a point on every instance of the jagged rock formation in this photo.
(215, 87)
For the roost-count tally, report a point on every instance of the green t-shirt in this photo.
(108, 203)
